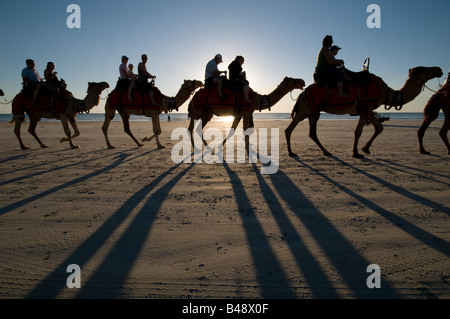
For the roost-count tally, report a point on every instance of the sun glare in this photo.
(223, 119)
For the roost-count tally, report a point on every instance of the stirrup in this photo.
(366, 64)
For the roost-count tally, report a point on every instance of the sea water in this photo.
(257, 116)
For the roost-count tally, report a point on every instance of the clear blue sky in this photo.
(277, 38)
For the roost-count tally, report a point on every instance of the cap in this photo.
(218, 56)
(124, 57)
(334, 47)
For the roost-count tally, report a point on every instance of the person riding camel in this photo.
(31, 79)
(237, 77)
(327, 63)
(52, 82)
(125, 75)
(142, 80)
(213, 75)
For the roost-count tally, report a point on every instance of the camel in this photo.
(260, 102)
(72, 108)
(187, 88)
(413, 86)
(439, 100)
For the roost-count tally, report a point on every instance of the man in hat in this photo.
(212, 75)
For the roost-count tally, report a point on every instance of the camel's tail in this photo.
(431, 110)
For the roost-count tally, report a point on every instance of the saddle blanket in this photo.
(210, 97)
(22, 103)
(141, 100)
(321, 96)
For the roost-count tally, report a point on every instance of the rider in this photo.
(212, 75)
(31, 79)
(326, 65)
(238, 77)
(125, 75)
(51, 81)
(143, 76)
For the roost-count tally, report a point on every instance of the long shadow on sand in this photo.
(346, 260)
(121, 257)
(420, 234)
(108, 279)
(316, 281)
(52, 170)
(270, 274)
(120, 159)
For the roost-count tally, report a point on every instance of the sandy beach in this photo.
(140, 226)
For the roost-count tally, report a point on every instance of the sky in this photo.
(277, 39)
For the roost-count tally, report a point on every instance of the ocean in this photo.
(99, 117)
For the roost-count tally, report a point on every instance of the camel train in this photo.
(366, 92)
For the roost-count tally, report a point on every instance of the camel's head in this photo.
(423, 74)
(97, 88)
(292, 84)
(192, 85)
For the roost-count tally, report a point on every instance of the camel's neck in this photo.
(182, 96)
(274, 97)
(91, 100)
(410, 90)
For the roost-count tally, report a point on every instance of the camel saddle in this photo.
(209, 97)
(24, 102)
(365, 88)
(118, 98)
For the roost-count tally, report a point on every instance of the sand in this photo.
(140, 226)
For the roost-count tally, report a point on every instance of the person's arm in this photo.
(49, 75)
(330, 58)
(218, 73)
(142, 69)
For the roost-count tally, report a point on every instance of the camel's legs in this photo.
(378, 129)
(65, 124)
(246, 123)
(205, 118)
(17, 126)
(445, 128)
(32, 131)
(236, 120)
(126, 126)
(358, 132)
(157, 130)
(76, 133)
(191, 129)
(421, 132)
(109, 115)
(313, 119)
(288, 131)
